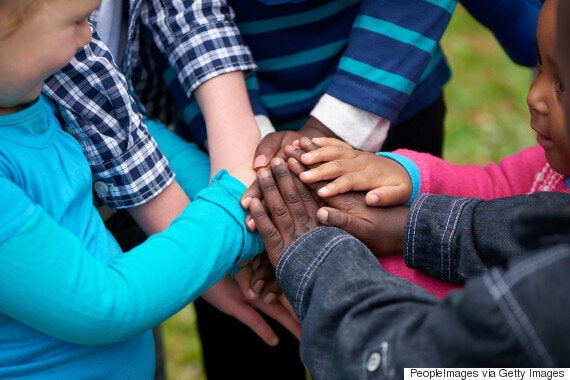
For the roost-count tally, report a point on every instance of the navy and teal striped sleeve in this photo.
(393, 59)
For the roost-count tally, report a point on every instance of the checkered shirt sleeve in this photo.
(93, 98)
(199, 38)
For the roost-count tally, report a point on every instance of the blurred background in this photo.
(487, 118)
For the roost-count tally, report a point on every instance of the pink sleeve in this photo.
(395, 264)
(513, 174)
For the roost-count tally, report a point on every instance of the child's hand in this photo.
(380, 228)
(351, 169)
(288, 212)
(257, 280)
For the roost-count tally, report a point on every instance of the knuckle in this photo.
(279, 210)
(340, 164)
(291, 197)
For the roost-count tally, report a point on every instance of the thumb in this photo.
(334, 217)
(355, 226)
(388, 196)
(267, 149)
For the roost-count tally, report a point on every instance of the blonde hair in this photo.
(13, 13)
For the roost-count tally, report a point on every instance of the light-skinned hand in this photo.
(380, 228)
(349, 169)
(227, 297)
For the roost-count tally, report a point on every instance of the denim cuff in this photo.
(411, 168)
(430, 241)
(299, 263)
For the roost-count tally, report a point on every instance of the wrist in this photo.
(412, 170)
(314, 128)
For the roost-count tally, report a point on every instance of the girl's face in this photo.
(545, 95)
(43, 44)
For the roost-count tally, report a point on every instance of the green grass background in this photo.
(487, 118)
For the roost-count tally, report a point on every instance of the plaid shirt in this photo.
(199, 40)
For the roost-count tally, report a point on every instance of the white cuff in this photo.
(264, 124)
(361, 129)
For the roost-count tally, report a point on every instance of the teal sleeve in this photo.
(49, 281)
(411, 168)
(16, 208)
(190, 164)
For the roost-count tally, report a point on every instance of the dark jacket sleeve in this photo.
(361, 322)
(453, 239)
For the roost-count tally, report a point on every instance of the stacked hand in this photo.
(290, 198)
(380, 228)
(288, 212)
(347, 169)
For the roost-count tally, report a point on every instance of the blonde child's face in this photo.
(545, 95)
(43, 44)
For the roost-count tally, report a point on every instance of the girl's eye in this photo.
(559, 85)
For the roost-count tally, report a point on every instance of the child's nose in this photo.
(84, 36)
(535, 96)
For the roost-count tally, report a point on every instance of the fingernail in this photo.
(260, 161)
(306, 156)
(251, 294)
(269, 297)
(258, 286)
(322, 215)
(323, 191)
(373, 198)
(251, 225)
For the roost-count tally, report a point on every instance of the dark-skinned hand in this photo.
(287, 212)
(272, 146)
(380, 228)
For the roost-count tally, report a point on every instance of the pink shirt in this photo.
(524, 172)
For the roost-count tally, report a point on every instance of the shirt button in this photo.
(373, 362)
(101, 188)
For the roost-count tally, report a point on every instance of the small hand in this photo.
(380, 228)
(288, 210)
(351, 169)
(257, 280)
(272, 146)
(244, 172)
(227, 297)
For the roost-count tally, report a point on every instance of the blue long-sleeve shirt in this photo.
(72, 305)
